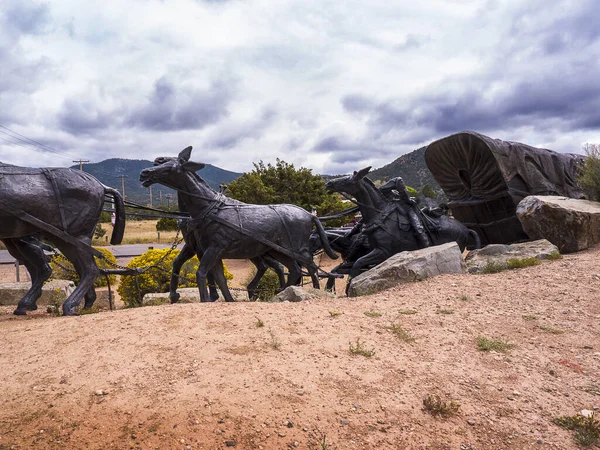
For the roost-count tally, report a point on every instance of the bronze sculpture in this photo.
(226, 228)
(387, 226)
(63, 206)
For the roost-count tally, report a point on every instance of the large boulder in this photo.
(500, 254)
(570, 224)
(54, 291)
(406, 267)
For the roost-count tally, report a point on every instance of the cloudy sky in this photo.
(333, 85)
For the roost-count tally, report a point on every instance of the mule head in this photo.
(166, 167)
(349, 184)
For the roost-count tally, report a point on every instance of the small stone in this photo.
(100, 392)
(586, 412)
(231, 443)
(290, 424)
(299, 392)
(281, 434)
(471, 422)
(344, 422)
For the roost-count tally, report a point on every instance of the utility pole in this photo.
(150, 196)
(169, 201)
(123, 185)
(80, 162)
(160, 195)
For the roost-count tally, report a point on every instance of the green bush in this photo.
(166, 224)
(62, 269)
(156, 279)
(268, 285)
(589, 177)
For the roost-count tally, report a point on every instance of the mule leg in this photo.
(261, 268)
(274, 264)
(90, 297)
(376, 256)
(88, 272)
(218, 275)
(187, 252)
(209, 259)
(33, 258)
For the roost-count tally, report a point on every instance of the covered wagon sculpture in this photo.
(485, 179)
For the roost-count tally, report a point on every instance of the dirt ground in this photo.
(281, 375)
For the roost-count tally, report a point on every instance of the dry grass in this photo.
(138, 232)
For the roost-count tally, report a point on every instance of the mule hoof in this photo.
(72, 312)
(31, 307)
(210, 300)
(174, 297)
(20, 312)
(232, 300)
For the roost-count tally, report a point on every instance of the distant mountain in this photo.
(116, 171)
(411, 167)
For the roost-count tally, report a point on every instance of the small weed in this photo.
(592, 389)
(494, 267)
(519, 263)
(529, 317)
(550, 329)
(407, 311)
(93, 310)
(275, 344)
(444, 311)
(334, 313)
(485, 345)
(464, 298)
(435, 406)
(587, 429)
(320, 445)
(372, 314)
(54, 308)
(358, 348)
(574, 366)
(259, 323)
(400, 333)
(554, 255)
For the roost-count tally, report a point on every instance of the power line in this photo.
(31, 142)
(81, 161)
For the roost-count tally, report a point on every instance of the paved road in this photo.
(120, 251)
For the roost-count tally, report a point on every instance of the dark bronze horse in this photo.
(227, 228)
(191, 249)
(385, 224)
(62, 206)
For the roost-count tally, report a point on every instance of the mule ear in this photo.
(192, 166)
(185, 154)
(362, 172)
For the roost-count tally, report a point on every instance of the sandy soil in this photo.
(207, 376)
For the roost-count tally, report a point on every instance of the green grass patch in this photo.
(550, 329)
(259, 323)
(358, 348)
(444, 311)
(520, 263)
(464, 298)
(372, 313)
(485, 345)
(434, 405)
(529, 317)
(587, 429)
(554, 255)
(407, 311)
(334, 313)
(400, 333)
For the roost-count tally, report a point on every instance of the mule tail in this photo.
(476, 239)
(119, 227)
(323, 236)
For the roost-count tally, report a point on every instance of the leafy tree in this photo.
(166, 224)
(283, 183)
(590, 172)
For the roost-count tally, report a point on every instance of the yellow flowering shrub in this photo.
(68, 272)
(156, 279)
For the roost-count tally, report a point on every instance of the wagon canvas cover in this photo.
(486, 178)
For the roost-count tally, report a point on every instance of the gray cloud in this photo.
(230, 135)
(27, 18)
(80, 116)
(178, 108)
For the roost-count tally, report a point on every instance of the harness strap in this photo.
(262, 240)
(49, 174)
(51, 229)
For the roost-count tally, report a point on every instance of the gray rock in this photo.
(570, 224)
(406, 267)
(53, 291)
(299, 294)
(476, 260)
